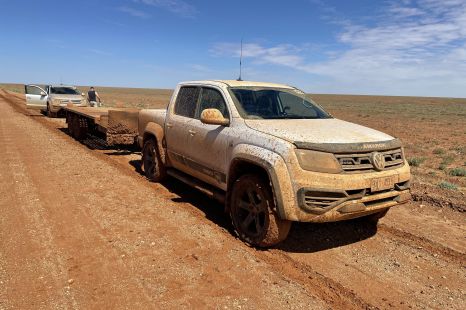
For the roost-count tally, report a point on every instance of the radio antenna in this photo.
(240, 60)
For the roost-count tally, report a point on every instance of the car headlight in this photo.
(56, 101)
(318, 161)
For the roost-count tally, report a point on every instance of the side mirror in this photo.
(42, 93)
(213, 117)
(83, 94)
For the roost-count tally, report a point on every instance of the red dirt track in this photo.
(81, 228)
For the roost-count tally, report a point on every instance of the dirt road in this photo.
(80, 228)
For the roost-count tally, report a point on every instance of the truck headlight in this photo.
(318, 161)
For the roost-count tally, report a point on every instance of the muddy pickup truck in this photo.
(273, 156)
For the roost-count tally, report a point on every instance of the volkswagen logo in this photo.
(378, 161)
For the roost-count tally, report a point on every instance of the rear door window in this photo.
(186, 101)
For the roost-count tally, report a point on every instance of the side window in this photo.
(213, 99)
(32, 90)
(186, 101)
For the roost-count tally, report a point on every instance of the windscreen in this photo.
(64, 91)
(275, 103)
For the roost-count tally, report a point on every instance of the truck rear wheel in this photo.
(153, 167)
(252, 211)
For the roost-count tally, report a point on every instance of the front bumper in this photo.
(55, 107)
(351, 206)
(323, 197)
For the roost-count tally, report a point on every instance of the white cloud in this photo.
(417, 48)
(178, 7)
(133, 12)
(284, 54)
(402, 12)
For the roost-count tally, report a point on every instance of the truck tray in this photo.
(120, 125)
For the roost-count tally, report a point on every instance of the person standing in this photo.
(93, 98)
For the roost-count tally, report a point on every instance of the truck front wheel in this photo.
(252, 211)
(152, 165)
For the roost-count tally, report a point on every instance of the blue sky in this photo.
(404, 47)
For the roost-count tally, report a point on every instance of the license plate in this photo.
(381, 184)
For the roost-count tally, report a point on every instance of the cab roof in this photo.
(236, 83)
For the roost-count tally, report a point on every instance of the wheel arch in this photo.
(248, 159)
(155, 131)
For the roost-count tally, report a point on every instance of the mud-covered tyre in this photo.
(252, 211)
(152, 165)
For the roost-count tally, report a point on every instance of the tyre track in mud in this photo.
(331, 287)
(326, 288)
(381, 269)
(437, 261)
(420, 242)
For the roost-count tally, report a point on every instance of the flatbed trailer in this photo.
(119, 125)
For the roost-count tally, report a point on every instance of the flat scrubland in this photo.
(81, 227)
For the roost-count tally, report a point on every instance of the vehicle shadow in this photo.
(315, 237)
(93, 142)
(96, 141)
(137, 165)
(122, 152)
(213, 210)
(303, 237)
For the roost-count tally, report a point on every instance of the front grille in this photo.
(319, 201)
(72, 101)
(361, 162)
(323, 199)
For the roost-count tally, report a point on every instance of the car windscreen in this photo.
(275, 103)
(64, 91)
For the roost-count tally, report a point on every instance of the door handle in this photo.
(169, 125)
(191, 132)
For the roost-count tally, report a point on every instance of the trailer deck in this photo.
(119, 125)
